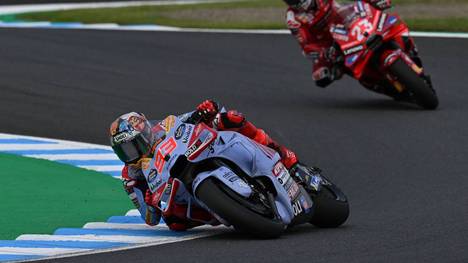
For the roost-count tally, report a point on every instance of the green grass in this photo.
(38, 196)
(201, 16)
(443, 25)
(162, 15)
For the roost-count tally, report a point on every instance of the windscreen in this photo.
(347, 13)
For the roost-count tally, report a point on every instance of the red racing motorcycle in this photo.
(376, 50)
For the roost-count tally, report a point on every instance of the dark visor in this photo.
(131, 151)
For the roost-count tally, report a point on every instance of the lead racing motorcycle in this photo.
(376, 49)
(240, 182)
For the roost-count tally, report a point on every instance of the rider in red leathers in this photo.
(310, 20)
(134, 181)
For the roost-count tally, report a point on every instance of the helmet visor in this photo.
(131, 151)
(301, 4)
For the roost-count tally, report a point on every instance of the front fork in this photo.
(404, 49)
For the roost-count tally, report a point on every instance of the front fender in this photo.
(227, 177)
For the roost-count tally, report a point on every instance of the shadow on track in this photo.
(297, 231)
(364, 104)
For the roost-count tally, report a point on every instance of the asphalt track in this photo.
(403, 169)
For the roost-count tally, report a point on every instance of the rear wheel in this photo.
(418, 88)
(331, 208)
(245, 214)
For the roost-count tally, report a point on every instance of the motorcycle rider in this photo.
(310, 20)
(134, 139)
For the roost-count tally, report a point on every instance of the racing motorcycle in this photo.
(375, 49)
(239, 182)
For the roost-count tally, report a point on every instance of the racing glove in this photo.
(380, 4)
(324, 76)
(153, 214)
(329, 67)
(129, 186)
(332, 55)
(208, 110)
(288, 157)
(150, 199)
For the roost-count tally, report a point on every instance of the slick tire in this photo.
(330, 210)
(214, 195)
(424, 95)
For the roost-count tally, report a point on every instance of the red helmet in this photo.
(131, 137)
(302, 4)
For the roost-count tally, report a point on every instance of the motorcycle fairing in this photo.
(367, 24)
(227, 177)
(256, 161)
(252, 158)
(202, 136)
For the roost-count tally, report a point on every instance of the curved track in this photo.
(404, 170)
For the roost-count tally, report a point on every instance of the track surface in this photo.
(403, 169)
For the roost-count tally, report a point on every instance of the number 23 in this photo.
(361, 27)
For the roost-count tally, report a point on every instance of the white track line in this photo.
(104, 225)
(77, 157)
(25, 147)
(81, 145)
(39, 251)
(102, 238)
(439, 34)
(133, 212)
(102, 168)
(157, 28)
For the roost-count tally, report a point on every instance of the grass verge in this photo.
(456, 24)
(38, 196)
(206, 15)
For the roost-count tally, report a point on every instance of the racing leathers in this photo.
(311, 28)
(175, 214)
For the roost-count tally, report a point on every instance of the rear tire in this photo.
(423, 94)
(216, 196)
(329, 209)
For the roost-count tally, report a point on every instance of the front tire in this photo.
(219, 199)
(421, 91)
(331, 208)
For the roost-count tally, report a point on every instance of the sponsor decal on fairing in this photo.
(297, 208)
(180, 131)
(186, 137)
(351, 60)
(381, 24)
(353, 50)
(293, 190)
(392, 20)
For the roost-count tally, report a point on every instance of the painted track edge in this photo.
(110, 250)
(157, 28)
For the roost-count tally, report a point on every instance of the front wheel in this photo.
(247, 215)
(331, 208)
(418, 88)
